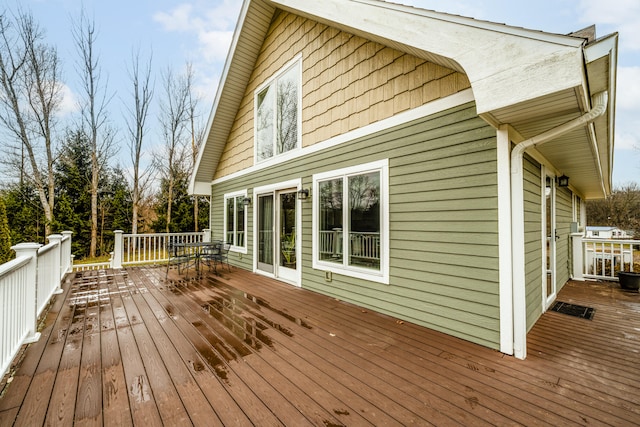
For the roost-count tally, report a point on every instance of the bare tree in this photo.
(136, 125)
(197, 136)
(174, 109)
(621, 209)
(30, 98)
(94, 113)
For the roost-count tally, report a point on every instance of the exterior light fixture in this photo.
(246, 201)
(563, 181)
(303, 194)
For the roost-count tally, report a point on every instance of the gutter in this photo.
(517, 217)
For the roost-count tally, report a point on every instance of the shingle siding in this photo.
(348, 83)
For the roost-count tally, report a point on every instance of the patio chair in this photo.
(222, 256)
(178, 259)
(209, 254)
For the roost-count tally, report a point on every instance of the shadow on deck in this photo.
(127, 347)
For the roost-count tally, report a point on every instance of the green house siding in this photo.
(533, 235)
(443, 222)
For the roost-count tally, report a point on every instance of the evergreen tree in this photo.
(24, 214)
(73, 172)
(5, 235)
(114, 209)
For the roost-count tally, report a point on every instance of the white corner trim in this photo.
(425, 110)
(504, 239)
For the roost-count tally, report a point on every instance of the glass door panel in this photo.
(288, 230)
(265, 233)
(550, 234)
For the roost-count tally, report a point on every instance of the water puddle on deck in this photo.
(236, 327)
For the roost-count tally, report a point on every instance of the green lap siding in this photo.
(443, 222)
(533, 235)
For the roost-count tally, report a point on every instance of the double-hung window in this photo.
(351, 221)
(235, 221)
(277, 113)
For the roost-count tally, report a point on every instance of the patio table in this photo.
(191, 253)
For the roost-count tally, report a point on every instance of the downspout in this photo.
(517, 217)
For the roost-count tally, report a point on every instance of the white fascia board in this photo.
(505, 65)
(206, 145)
(601, 48)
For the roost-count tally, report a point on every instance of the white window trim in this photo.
(270, 81)
(381, 276)
(227, 196)
(403, 118)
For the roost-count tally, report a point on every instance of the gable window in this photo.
(277, 107)
(351, 221)
(235, 221)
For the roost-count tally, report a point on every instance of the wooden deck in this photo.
(129, 348)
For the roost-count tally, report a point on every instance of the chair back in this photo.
(224, 248)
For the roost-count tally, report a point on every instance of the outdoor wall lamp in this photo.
(563, 181)
(246, 201)
(303, 194)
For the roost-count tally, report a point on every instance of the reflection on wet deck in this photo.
(131, 347)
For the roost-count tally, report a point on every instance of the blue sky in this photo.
(200, 31)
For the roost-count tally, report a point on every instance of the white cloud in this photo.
(209, 26)
(614, 15)
(178, 19)
(628, 108)
(626, 141)
(68, 102)
(214, 45)
(628, 85)
(206, 89)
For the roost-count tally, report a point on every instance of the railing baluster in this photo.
(603, 258)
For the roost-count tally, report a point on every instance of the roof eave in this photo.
(605, 51)
(505, 65)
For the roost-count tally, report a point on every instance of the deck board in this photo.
(115, 398)
(133, 347)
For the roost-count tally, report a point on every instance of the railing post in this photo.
(118, 249)
(66, 254)
(31, 309)
(57, 266)
(206, 236)
(577, 253)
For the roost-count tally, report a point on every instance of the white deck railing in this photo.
(364, 246)
(27, 284)
(595, 258)
(152, 248)
(145, 248)
(48, 272)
